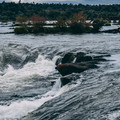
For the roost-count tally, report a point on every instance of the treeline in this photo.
(9, 11)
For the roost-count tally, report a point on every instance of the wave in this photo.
(20, 109)
(17, 78)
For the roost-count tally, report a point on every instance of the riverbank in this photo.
(57, 30)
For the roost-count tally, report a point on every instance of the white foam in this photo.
(15, 79)
(114, 63)
(55, 58)
(114, 115)
(19, 109)
(115, 59)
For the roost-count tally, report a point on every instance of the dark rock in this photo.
(58, 61)
(100, 58)
(82, 63)
(82, 58)
(80, 54)
(69, 68)
(52, 83)
(68, 78)
(68, 58)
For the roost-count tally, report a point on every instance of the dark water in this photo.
(27, 70)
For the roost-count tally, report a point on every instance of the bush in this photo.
(97, 24)
(21, 30)
(77, 28)
(37, 30)
(52, 30)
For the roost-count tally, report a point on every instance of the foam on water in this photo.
(15, 79)
(19, 109)
(115, 59)
(114, 115)
(114, 63)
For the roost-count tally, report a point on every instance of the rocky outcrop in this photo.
(77, 63)
(68, 58)
(69, 68)
(81, 57)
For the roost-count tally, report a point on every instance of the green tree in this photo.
(78, 18)
(22, 20)
(61, 23)
(97, 24)
(77, 24)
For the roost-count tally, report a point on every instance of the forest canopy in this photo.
(10, 11)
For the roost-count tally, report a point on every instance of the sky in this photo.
(70, 1)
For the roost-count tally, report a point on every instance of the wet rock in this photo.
(80, 54)
(81, 63)
(80, 57)
(100, 58)
(68, 58)
(69, 68)
(83, 59)
(69, 78)
(52, 82)
(58, 61)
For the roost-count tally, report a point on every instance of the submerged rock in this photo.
(69, 78)
(83, 59)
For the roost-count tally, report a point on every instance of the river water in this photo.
(27, 71)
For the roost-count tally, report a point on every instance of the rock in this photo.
(68, 58)
(80, 57)
(69, 68)
(80, 54)
(68, 78)
(99, 58)
(81, 63)
(83, 59)
(52, 83)
(58, 61)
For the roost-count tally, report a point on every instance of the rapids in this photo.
(30, 87)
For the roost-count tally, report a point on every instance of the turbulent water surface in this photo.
(27, 74)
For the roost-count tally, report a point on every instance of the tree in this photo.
(38, 23)
(61, 23)
(78, 18)
(37, 20)
(77, 24)
(22, 20)
(97, 24)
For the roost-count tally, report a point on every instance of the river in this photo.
(27, 74)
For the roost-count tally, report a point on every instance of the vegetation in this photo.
(9, 11)
(32, 17)
(97, 24)
(76, 25)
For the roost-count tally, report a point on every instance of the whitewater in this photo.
(30, 86)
